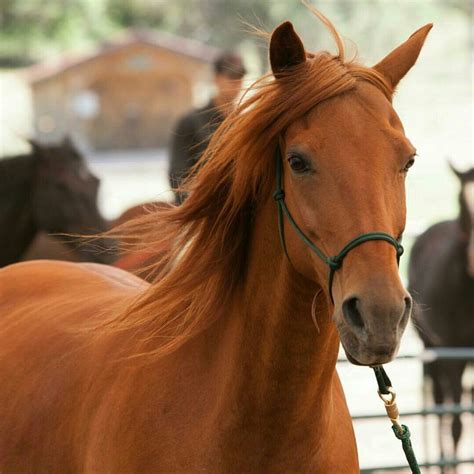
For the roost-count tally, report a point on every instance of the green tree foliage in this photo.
(33, 29)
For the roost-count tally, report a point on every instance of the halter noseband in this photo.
(335, 262)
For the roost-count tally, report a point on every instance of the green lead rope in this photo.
(387, 394)
(404, 437)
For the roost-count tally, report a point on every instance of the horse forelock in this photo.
(207, 237)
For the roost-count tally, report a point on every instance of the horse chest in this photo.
(163, 428)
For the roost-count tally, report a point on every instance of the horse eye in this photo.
(298, 164)
(409, 164)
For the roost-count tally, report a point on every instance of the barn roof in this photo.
(190, 48)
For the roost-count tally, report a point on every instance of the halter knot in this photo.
(400, 250)
(404, 434)
(279, 195)
(334, 263)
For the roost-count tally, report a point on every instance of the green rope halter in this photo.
(335, 262)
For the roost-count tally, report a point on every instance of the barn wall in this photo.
(127, 98)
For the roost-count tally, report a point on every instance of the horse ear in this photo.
(67, 142)
(36, 147)
(286, 49)
(394, 66)
(458, 173)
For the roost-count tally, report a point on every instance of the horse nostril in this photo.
(351, 312)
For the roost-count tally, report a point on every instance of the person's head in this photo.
(229, 71)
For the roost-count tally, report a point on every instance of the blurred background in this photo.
(116, 75)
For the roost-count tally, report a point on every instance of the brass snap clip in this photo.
(391, 408)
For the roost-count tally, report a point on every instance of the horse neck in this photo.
(17, 228)
(289, 365)
(464, 218)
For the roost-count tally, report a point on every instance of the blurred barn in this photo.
(128, 94)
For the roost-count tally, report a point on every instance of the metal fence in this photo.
(429, 355)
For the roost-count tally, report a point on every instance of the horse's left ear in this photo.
(286, 49)
(458, 173)
(36, 147)
(394, 66)
(67, 142)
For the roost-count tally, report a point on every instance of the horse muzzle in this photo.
(370, 329)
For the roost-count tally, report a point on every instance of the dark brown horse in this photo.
(217, 366)
(50, 190)
(441, 281)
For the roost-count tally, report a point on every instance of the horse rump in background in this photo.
(441, 281)
(51, 190)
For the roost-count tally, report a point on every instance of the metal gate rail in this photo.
(440, 463)
(432, 354)
(434, 410)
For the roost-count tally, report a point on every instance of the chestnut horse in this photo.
(441, 281)
(217, 366)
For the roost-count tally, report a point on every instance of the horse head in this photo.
(344, 165)
(466, 218)
(320, 137)
(64, 196)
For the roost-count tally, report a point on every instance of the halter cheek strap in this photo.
(335, 262)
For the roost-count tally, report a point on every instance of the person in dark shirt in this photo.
(194, 130)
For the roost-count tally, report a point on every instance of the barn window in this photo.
(86, 104)
(140, 62)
